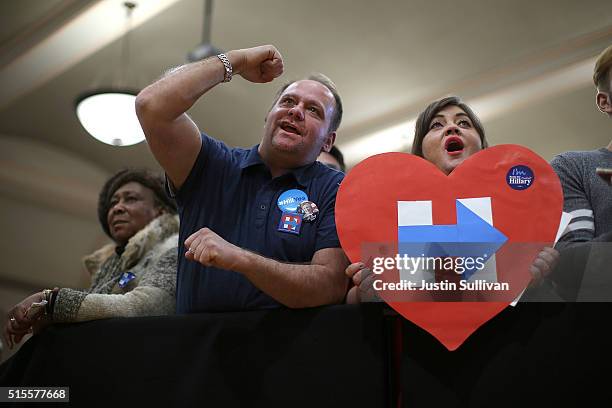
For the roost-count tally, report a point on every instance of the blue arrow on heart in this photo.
(470, 237)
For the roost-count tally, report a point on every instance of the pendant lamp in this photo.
(108, 114)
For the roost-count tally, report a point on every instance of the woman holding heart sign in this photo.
(446, 133)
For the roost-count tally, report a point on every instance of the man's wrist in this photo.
(242, 260)
(247, 261)
(235, 58)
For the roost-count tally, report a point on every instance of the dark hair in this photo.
(322, 79)
(601, 73)
(337, 154)
(424, 119)
(149, 180)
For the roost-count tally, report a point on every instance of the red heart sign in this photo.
(524, 200)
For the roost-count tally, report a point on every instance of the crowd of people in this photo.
(257, 226)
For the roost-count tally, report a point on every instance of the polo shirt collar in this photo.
(301, 174)
(251, 159)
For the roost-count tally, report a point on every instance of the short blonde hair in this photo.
(601, 73)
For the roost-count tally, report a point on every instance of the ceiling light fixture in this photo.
(108, 114)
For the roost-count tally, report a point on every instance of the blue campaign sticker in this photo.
(290, 200)
(520, 177)
(125, 279)
(290, 223)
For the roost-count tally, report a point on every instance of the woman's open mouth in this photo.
(453, 145)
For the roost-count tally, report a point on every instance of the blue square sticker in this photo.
(290, 222)
(125, 279)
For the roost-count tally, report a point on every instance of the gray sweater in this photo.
(587, 197)
(150, 255)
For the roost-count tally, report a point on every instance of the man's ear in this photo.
(329, 142)
(604, 104)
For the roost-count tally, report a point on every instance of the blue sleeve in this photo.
(327, 236)
(210, 164)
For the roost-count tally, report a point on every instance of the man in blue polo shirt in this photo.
(257, 224)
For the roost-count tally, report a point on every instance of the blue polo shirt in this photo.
(231, 191)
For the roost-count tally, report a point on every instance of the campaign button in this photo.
(309, 210)
(520, 177)
(126, 278)
(289, 200)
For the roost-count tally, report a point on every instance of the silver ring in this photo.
(13, 319)
(191, 250)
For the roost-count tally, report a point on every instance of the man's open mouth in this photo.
(289, 128)
(453, 145)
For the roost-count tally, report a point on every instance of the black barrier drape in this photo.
(536, 354)
(333, 356)
(548, 354)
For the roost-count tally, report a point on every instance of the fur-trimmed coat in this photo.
(151, 255)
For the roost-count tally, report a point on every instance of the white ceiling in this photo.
(388, 58)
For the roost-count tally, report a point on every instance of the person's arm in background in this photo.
(581, 228)
(154, 295)
(575, 202)
(174, 139)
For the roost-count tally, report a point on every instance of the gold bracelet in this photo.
(47, 296)
(46, 293)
